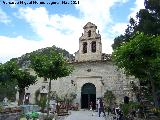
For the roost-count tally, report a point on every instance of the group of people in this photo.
(100, 107)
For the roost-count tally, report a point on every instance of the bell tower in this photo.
(90, 47)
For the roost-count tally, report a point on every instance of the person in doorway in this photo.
(91, 105)
(97, 103)
(101, 107)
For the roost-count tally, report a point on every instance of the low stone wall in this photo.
(9, 116)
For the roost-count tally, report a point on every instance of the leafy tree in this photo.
(147, 21)
(140, 57)
(21, 77)
(50, 66)
(24, 79)
(118, 41)
(7, 89)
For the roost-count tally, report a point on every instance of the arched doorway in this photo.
(88, 94)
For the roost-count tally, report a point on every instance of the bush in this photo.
(127, 108)
(109, 98)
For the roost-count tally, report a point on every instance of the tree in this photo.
(147, 21)
(7, 89)
(118, 41)
(21, 77)
(140, 57)
(50, 66)
(24, 79)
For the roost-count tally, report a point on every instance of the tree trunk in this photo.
(21, 96)
(49, 96)
(153, 91)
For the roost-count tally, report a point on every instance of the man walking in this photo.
(101, 107)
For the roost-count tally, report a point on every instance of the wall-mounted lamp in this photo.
(73, 82)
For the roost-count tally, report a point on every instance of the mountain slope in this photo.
(24, 60)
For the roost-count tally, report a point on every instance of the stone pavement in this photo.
(86, 115)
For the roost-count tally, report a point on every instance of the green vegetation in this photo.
(11, 72)
(141, 57)
(12, 75)
(127, 108)
(51, 66)
(147, 21)
(8, 90)
(24, 60)
(42, 102)
(109, 98)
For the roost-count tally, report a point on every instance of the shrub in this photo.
(109, 98)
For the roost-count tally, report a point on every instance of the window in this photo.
(85, 47)
(89, 33)
(93, 46)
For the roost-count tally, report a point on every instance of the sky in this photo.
(28, 27)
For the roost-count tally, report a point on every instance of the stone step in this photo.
(63, 114)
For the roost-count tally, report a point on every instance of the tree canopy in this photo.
(147, 21)
(140, 57)
(10, 72)
(50, 66)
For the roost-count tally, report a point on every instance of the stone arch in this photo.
(88, 95)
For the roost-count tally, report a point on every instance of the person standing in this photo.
(101, 107)
(109, 109)
(97, 105)
(91, 106)
(118, 113)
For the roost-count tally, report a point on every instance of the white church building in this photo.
(94, 73)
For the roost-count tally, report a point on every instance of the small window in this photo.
(89, 33)
(93, 46)
(43, 87)
(85, 47)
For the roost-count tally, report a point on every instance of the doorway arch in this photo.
(88, 95)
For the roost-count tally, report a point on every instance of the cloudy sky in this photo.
(25, 28)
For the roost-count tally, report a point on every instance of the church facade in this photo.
(94, 73)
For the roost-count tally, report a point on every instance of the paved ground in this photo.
(86, 115)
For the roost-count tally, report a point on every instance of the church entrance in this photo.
(88, 96)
